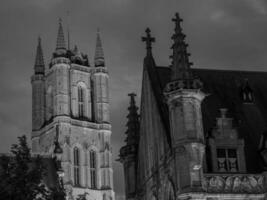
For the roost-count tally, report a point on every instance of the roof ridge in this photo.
(228, 70)
(212, 69)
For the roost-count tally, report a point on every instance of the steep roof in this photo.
(157, 85)
(224, 88)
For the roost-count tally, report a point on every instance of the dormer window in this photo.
(247, 93)
(227, 160)
(227, 149)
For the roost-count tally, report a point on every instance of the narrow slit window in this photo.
(76, 166)
(81, 109)
(93, 168)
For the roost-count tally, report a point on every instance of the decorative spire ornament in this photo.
(133, 121)
(39, 66)
(61, 45)
(148, 39)
(180, 61)
(99, 53)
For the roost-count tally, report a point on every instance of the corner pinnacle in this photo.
(99, 53)
(39, 65)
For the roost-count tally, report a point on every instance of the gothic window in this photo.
(227, 160)
(81, 101)
(49, 103)
(92, 165)
(76, 162)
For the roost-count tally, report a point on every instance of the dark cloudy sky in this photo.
(221, 34)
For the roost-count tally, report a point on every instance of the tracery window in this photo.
(81, 101)
(227, 160)
(76, 156)
(92, 165)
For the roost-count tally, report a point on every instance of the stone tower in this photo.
(71, 103)
(184, 97)
(128, 153)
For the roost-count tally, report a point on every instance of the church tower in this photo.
(71, 104)
(184, 96)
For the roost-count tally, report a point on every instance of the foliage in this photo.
(57, 194)
(21, 176)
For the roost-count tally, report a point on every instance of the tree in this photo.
(22, 175)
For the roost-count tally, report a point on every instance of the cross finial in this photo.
(177, 18)
(177, 21)
(132, 96)
(148, 39)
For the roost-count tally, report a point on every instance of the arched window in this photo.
(93, 168)
(76, 156)
(80, 101)
(49, 103)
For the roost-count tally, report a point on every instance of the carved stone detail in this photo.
(249, 183)
(183, 84)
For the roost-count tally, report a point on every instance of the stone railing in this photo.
(60, 60)
(101, 69)
(183, 84)
(234, 183)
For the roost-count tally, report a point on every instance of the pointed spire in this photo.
(180, 61)
(99, 53)
(68, 28)
(60, 37)
(39, 66)
(133, 121)
(148, 39)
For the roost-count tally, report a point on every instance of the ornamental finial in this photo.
(177, 20)
(180, 56)
(148, 39)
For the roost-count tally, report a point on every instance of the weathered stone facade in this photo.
(201, 133)
(71, 105)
